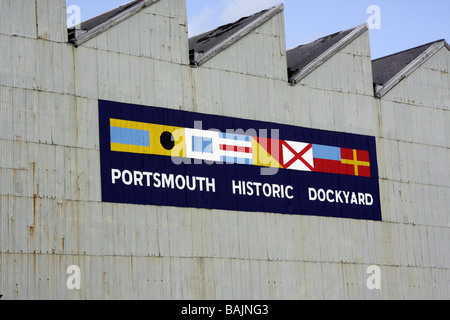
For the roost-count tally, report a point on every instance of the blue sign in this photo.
(163, 157)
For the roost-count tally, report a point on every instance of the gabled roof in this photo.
(304, 59)
(204, 46)
(390, 70)
(93, 27)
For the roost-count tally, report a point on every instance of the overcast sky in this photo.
(398, 25)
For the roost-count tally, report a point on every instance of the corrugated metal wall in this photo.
(51, 214)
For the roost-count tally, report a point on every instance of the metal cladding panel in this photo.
(162, 34)
(408, 122)
(18, 20)
(51, 19)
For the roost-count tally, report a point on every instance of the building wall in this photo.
(51, 214)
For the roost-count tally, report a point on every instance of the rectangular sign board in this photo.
(164, 157)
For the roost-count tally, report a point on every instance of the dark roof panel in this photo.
(202, 47)
(205, 41)
(304, 59)
(298, 58)
(98, 20)
(386, 68)
(106, 18)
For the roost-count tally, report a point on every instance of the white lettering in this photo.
(312, 194)
(181, 185)
(126, 181)
(116, 174)
(211, 185)
(244, 310)
(201, 180)
(165, 181)
(321, 195)
(369, 199)
(330, 192)
(289, 196)
(201, 311)
(194, 184)
(361, 198)
(157, 178)
(147, 175)
(237, 187)
(338, 197)
(267, 190)
(248, 188)
(138, 176)
(354, 200)
(258, 187)
(334, 196)
(346, 195)
(276, 190)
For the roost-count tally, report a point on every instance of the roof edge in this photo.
(202, 58)
(416, 63)
(358, 31)
(84, 36)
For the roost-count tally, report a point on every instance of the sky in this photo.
(396, 25)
